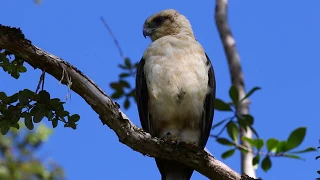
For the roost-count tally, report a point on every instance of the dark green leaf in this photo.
(3, 96)
(5, 127)
(116, 86)
(122, 75)
(16, 125)
(224, 141)
(15, 74)
(221, 105)
(39, 115)
(292, 156)
(272, 144)
(124, 83)
(28, 121)
(128, 63)
(233, 131)
(247, 118)
(117, 95)
(250, 92)
(234, 94)
(228, 153)
(318, 172)
(296, 137)
(219, 123)
(55, 122)
(309, 149)
(74, 118)
(44, 96)
(266, 163)
(22, 69)
(14, 98)
(256, 160)
(126, 103)
(317, 157)
(123, 67)
(23, 98)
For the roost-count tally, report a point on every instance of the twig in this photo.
(113, 37)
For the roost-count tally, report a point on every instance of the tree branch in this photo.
(237, 78)
(109, 112)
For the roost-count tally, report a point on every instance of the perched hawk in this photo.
(175, 86)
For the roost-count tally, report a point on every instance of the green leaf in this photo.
(117, 95)
(247, 118)
(309, 149)
(127, 63)
(318, 172)
(221, 105)
(259, 143)
(74, 118)
(122, 75)
(228, 153)
(250, 92)
(292, 156)
(266, 163)
(124, 83)
(39, 115)
(272, 144)
(317, 157)
(296, 137)
(234, 94)
(5, 127)
(44, 96)
(281, 147)
(224, 141)
(249, 140)
(28, 122)
(22, 69)
(55, 122)
(126, 103)
(116, 86)
(16, 125)
(233, 131)
(219, 123)
(256, 160)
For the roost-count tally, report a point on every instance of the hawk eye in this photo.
(159, 20)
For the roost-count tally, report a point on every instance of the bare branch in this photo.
(113, 37)
(109, 112)
(237, 78)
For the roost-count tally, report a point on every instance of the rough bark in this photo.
(237, 78)
(109, 112)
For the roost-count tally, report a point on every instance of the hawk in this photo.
(175, 87)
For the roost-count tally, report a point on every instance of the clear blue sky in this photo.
(278, 46)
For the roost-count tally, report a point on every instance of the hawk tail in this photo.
(173, 170)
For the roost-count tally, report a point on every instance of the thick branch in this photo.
(237, 78)
(109, 112)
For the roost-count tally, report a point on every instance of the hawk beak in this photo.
(147, 31)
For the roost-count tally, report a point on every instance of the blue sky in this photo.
(278, 46)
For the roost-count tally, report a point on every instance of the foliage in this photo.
(29, 105)
(263, 150)
(318, 157)
(17, 161)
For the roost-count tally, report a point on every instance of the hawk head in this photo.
(165, 23)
